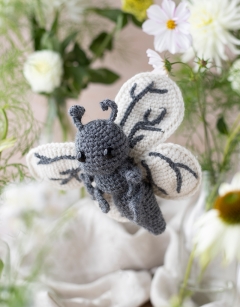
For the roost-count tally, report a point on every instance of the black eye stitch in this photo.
(81, 156)
(108, 153)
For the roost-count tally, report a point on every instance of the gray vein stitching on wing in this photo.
(73, 173)
(175, 167)
(135, 98)
(46, 160)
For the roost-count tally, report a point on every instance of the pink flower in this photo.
(157, 62)
(169, 24)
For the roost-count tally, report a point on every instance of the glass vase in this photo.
(217, 282)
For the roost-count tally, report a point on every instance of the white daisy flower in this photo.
(169, 24)
(157, 62)
(211, 25)
(218, 230)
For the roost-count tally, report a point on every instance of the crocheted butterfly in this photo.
(123, 161)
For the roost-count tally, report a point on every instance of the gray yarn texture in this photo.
(102, 149)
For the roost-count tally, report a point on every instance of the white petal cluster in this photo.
(234, 76)
(214, 236)
(211, 23)
(43, 70)
(157, 62)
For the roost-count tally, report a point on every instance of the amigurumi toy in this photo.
(122, 161)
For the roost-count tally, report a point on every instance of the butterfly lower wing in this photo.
(150, 108)
(55, 163)
(173, 171)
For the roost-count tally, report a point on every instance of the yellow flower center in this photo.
(171, 24)
(229, 207)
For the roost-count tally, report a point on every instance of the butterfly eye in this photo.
(108, 153)
(81, 156)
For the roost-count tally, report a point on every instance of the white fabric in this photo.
(98, 262)
(122, 289)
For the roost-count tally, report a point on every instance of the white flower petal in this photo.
(169, 7)
(157, 62)
(183, 41)
(224, 189)
(184, 27)
(230, 243)
(160, 42)
(235, 184)
(155, 13)
(152, 28)
(209, 234)
(182, 12)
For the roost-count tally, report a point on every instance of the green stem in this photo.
(202, 109)
(82, 192)
(223, 166)
(182, 292)
(107, 39)
(232, 136)
(5, 130)
(63, 119)
(51, 115)
(185, 64)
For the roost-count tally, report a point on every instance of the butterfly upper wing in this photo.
(56, 164)
(150, 109)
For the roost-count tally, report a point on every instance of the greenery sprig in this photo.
(18, 128)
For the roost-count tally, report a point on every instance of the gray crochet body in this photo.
(102, 148)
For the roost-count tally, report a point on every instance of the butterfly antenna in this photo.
(76, 112)
(105, 104)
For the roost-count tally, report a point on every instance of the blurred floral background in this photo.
(56, 247)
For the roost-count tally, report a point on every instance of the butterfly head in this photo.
(101, 145)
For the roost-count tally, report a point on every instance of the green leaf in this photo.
(222, 126)
(77, 77)
(80, 55)
(112, 14)
(135, 21)
(77, 55)
(50, 42)
(54, 27)
(97, 43)
(68, 40)
(103, 75)
(37, 33)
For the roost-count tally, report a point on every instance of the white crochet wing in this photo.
(56, 164)
(150, 109)
(173, 171)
